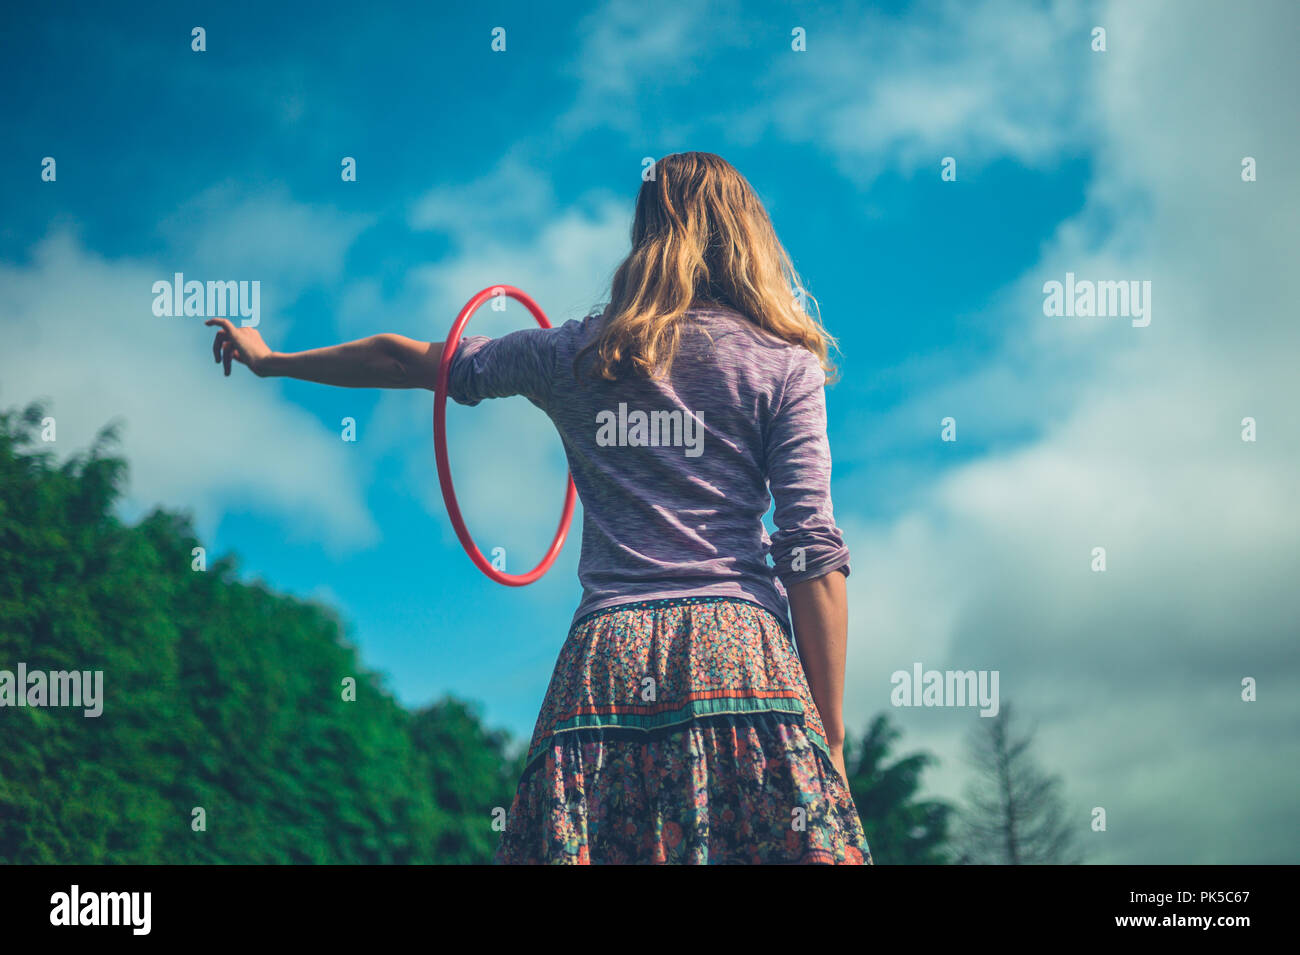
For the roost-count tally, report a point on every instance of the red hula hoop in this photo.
(440, 447)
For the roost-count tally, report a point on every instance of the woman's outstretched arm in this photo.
(380, 361)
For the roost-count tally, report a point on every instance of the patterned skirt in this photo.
(681, 731)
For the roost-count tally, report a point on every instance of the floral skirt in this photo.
(681, 731)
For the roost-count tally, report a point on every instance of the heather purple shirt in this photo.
(674, 475)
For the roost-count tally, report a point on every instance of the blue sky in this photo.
(478, 168)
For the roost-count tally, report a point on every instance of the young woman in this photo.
(680, 725)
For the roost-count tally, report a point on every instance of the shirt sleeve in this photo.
(807, 543)
(521, 363)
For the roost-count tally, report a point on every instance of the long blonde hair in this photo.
(700, 237)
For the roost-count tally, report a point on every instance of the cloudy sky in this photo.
(477, 168)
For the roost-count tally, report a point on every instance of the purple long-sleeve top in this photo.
(674, 474)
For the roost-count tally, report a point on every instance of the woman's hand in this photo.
(239, 343)
(837, 757)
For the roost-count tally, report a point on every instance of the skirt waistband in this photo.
(664, 602)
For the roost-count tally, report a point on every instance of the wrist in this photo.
(270, 365)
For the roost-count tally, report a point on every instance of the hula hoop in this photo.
(440, 447)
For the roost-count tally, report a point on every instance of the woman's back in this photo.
(673, 472)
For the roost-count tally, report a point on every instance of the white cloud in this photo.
(874, 90)
(976, 81)
(233, 232)
(80, 331)
(629, 53)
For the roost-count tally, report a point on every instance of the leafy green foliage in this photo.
(901, 829)
(1015, 813)
(217, 694)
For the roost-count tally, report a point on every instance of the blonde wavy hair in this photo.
(700, 237)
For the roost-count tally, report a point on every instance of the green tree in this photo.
(468, 772)
(217, 694)
(1015, 813)
(901, 828)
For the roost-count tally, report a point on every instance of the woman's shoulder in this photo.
(734, 330)
(575, 332)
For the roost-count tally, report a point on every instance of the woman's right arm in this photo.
(380, 361)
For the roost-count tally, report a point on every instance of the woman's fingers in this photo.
(224, 332)
(224, 348)
(243, 345)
